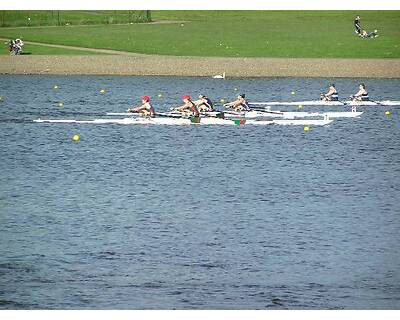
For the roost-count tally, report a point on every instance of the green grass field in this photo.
(302, 34)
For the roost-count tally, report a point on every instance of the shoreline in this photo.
(156, 65)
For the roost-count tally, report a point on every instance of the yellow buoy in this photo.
(300, 106)
(236, 89)
(293, 92)
(1, 98)
(76, 137)
(61, 104)
(159, 95)
(102, 91)
(307, 128)
(55, 87)
(387, 113)
(222, 100)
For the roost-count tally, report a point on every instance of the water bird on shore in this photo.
(219, 76)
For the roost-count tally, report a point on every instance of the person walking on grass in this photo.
(357, 25)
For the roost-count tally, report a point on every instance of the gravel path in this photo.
(128, 63)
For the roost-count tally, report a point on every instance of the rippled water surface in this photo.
(199, 217)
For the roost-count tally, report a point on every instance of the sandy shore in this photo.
(137, 64)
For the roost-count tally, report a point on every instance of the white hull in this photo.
(274, 114)
(344, 114)
(328, 103)
(300, 122)
(181, 121)
(293, 115)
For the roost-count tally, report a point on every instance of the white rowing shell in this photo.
(328, 103)
(203, 121)
(275, 114)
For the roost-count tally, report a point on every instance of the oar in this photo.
(265, 110)
(370, 100)
(378, 103)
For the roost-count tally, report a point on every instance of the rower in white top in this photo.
(240, 104)
(145, 109)
(331, 95)
(204, 104)
(361, 95)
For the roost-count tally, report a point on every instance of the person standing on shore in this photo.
(361, 95)
(331, 95)
(357, 25)
(145, 109)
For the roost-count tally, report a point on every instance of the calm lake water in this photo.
(199, 217)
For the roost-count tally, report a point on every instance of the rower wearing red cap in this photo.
(145, 109)
(189, 105)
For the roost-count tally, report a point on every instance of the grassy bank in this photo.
(302, 34)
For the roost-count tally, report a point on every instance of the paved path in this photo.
(60, 46)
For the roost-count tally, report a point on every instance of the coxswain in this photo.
(361, 95)
(240, 104)
(331, 95)
(204, 104)
(145, 109)
(189, 107)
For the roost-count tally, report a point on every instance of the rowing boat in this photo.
(185, 121)
(328, 103)
(262, 114)
(292, 115)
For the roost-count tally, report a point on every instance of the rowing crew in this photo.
(193, 108)
(190, 107)
(332, 94)
(204, 104)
